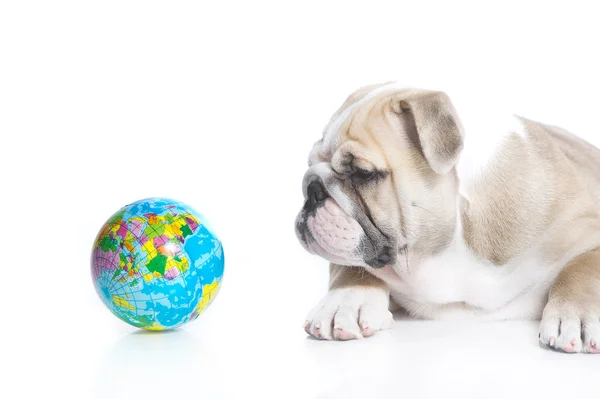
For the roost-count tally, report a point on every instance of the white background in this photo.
(217, 104)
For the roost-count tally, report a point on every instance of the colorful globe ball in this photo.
(156, 264)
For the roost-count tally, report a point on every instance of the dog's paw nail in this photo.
(552, 341)
(317, 325)
(570, 347)
(367, 332)
(307, 327)
(593, 343)
(343, 335)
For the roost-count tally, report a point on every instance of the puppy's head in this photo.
(381, 180)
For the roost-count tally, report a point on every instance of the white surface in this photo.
(89, 91)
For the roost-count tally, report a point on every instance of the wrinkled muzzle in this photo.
(329, 223)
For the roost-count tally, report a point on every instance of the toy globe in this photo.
(157, 264)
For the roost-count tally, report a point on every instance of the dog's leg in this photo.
(355, 307)
(571, 319)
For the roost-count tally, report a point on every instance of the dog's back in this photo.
(584, 157)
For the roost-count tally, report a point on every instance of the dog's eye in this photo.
(363, 174)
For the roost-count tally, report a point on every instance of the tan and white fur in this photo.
(418, 204)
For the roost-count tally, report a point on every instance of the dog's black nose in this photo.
(316, 195)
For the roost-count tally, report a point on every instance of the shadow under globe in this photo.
(167, 364)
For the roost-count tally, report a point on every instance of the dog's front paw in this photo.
(570, 328)
(350, 313)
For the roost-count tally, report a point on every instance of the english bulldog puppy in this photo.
(452, 216)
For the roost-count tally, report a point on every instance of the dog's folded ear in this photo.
(438, 128)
